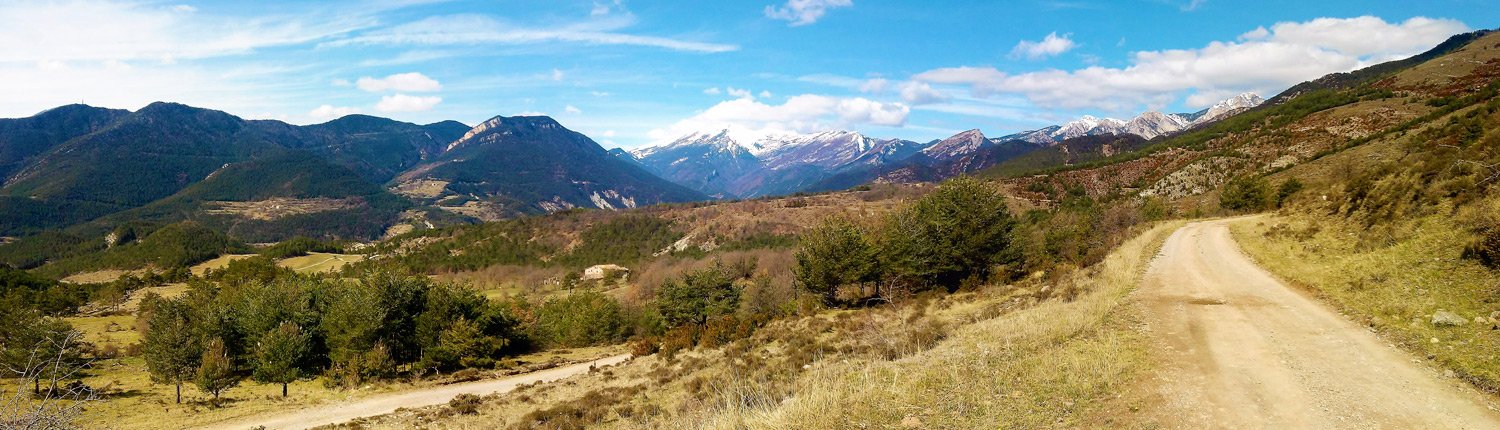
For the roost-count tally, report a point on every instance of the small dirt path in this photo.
(387, 403)
(1237, 348)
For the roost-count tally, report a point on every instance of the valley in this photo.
(1325, 257)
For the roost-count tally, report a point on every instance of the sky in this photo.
(630, 73)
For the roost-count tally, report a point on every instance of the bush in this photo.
(834, 254)
(698, 296)
(581, 319)
(465, 404)
(959, 231)
(1287, 189)
(1247, 194)
(644, 346)
(1486, 250)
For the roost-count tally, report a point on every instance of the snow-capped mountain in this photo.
(1088, 126)
(718, 164)
(960, 144)
(1152, 124)
(1148, 125)
(1228, 107)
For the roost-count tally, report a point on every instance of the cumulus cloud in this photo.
(749, 119)
(327, 112)
(804, 12)
(1263, 60)
(874, 85)
(405, 82)
(920, 93)
(572, 110)
(1049, 46)
(406, 103)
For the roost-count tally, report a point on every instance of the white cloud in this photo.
(1362, 36)
(557, 75)
(572, 110)
(599, 93)
(750, 119)
(765, 94)
(804, 12)
(920, 93)
(1049, 46)
(876, 85)
(604, 8)
(482, 30)
(100, 30)
(607, 133)
(530, 113)
(406, 103)
(712, 91)
(404, 82)
(739, 93)
(1264, 61)
(327, 112)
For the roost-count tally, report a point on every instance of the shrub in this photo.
(580, 319)
(1486, 250)
(1287, 189)
(834, 254)
(698, 296)
(1246, 194)
(465, 404)
(644, 346)
(961, 230)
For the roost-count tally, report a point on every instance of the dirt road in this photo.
(1240, 349)
(384, 404)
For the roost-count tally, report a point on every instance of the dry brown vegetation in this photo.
(1034, 354)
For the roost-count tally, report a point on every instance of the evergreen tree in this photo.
(834, 254)
(215, 369)
(956, 233)
(698, 296)
(279, 355)
(172, 350)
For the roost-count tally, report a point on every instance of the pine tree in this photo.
(834, 254)
(216, 371)
(279, 355)
(172, 350)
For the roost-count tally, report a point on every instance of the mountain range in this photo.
(719, 165)
(89, 169)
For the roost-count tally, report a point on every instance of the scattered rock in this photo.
(1480, 320)
(1448, 373)
(911, 422)
(1443, 318)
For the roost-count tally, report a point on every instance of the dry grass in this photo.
(319, 262)
(131, 401)
(1393, 279)
(1044, 366)
(1003, 355)
(217, 263)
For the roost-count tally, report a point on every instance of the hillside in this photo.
(509, 166)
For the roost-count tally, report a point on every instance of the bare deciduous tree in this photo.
(50, 362)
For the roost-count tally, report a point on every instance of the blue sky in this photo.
(633, 72)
